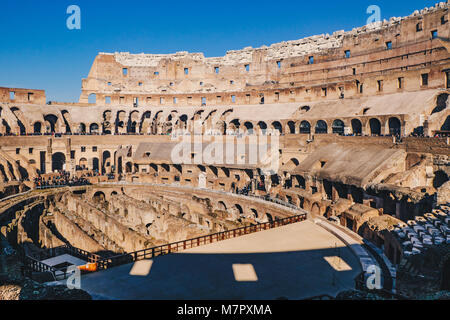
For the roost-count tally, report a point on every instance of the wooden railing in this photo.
(192, 243)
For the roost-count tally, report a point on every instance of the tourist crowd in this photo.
(61, 179)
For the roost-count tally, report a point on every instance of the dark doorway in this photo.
(375, 127)
(356, 127)
(395, 127)
(58, 161)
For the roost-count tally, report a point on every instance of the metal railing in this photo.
(192, 243)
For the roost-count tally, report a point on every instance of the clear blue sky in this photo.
(38, 51)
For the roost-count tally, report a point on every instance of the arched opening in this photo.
(291, 126)
(269, 217)
(254, 213)
(94, 128)
(66, 118)
(262, 126)
(83, 164)
(129, 167)
(440, 177)
(235, 124)
(249, 127)
(277, 126)
(356, 127)
(82, 128)
(305, 127)
(106, 161)
(51, 123)
(321, 127)
(395, 127)
(338, 127)
(95, 164)
(222, 206)
(375, 127)
(99, 197)
(92, 98)
(58, 161)
(37, 128)
(239, 209)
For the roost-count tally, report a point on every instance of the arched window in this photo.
(338, 127)
(305, 127)
(92, 99)
(395, 127)
(356, 127)
(291, 126)
(94, 129)
(375, 127)
(58, 161)
(37, 127)
(277, 126)
(321, 127)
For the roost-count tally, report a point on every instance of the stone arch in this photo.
(120, 121)
(234, 124)
(338, 127)
(99, 196)
(132, 124)
(249, 127)
(222, 206)
(94, 128)
(321, 127)
(305, 127)
(83, 163)
(238, 207)
(145, 122)
(92, 98)
(52, 121)
(21, 122)
(58, 161)
(276, 125)
(291, 127)
(37, 127)
(356, 127)
(254, 213)
(395, 126)
(375, 126)
(67, 120)
(262, 127)
(82, 128)
(269, 217)
(95, 164)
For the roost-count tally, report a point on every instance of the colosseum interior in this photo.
(333, 145)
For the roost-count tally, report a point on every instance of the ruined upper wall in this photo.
(344, 64)
(283, 50)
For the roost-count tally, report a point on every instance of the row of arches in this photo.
(134, 124)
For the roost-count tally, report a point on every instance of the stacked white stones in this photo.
(432, 229)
